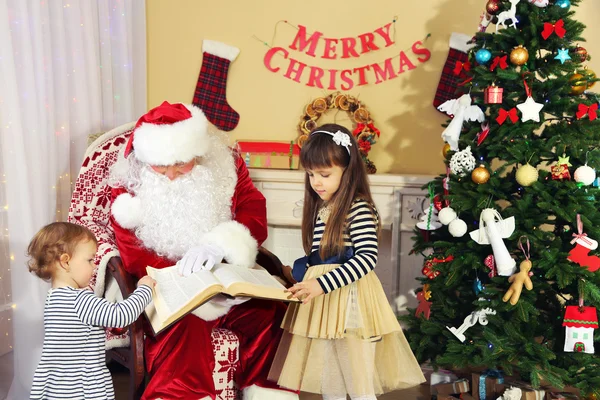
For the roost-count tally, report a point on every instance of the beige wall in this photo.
(270, 105)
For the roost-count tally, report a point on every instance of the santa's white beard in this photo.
(176, 214)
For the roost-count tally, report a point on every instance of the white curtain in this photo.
(68, 69)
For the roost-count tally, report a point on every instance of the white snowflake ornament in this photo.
(462, 162)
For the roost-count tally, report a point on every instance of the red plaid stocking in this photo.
(210, 94)
(454, 69)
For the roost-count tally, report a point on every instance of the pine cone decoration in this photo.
(371, 168)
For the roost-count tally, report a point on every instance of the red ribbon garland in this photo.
(558, 28)
(460, 66)
(584, 110)
(360, 127)
(503, 114)
(501, 61)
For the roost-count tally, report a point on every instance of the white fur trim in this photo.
(220, 49)
(237, 242)
(211, 311)
(127, 211)
(170, 144)
(259, 393)
(459, 41)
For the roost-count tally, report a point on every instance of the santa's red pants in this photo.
(180, 360)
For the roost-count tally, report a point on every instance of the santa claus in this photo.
(180, 195)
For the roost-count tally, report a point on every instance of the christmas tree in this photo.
(511, 281)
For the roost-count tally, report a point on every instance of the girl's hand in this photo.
(146, 280)
(305, 291)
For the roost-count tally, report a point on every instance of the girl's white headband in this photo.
(340, 138)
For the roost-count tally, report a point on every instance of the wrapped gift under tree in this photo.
(488, 385)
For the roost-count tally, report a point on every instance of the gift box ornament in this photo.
(493, 95)
(270, 155)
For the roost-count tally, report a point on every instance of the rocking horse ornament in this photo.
(509, 14)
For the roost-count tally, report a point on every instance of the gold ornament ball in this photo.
(526, 175)
(445, 150)
(480, 175)
(592, 397)
(519, 55)
(578, 84)
(590, 76)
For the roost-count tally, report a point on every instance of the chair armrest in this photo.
(126, 281)
(272, 264)
(127, 284)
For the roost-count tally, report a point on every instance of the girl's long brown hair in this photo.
(320, 151)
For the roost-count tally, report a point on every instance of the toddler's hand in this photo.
(146, 280)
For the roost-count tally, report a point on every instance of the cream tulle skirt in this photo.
(347, 341)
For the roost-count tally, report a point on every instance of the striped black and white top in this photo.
(361, 234)
(73, 364)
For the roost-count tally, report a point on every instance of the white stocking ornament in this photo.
(492, 229)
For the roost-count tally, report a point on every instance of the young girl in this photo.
(344, 337)
(73, 362)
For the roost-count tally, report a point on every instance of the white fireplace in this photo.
(399, 200)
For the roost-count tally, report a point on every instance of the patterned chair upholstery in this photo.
(90, 207)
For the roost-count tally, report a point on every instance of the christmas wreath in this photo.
(364, 131)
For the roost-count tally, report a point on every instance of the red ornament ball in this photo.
(438, 203)
(492, 7)
(581, 53)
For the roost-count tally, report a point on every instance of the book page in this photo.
(230, 274)
(173, 291)
(256, 283)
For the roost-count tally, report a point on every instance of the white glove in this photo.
(200, 257)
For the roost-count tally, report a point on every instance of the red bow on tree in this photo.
(460, 66)
(499, 61)
(429, 266)
(584, 110)
(558, 28)
(361, 127)
(503, 114)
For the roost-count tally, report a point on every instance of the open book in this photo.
(175, 296)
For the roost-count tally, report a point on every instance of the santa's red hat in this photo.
(169, 134)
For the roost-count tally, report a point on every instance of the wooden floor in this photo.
(120, 379)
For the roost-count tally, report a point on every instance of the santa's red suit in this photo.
(230, 215)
